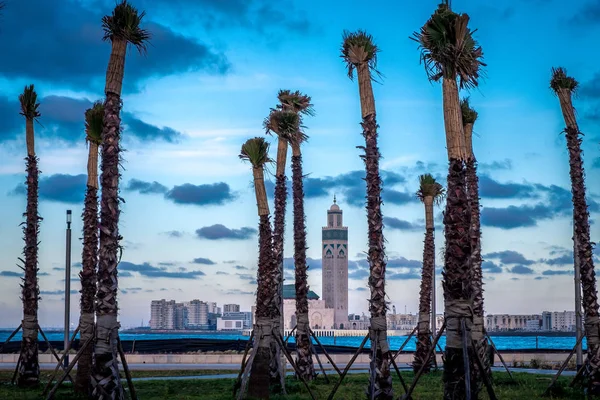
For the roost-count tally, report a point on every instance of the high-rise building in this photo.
(197, 314)
(231, 308)
(167, 315)
(335, 265)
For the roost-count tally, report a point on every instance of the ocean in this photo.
(503, 342)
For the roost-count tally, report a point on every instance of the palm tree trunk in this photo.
(423, 327)
(267, 313)
(376, 254)
(277, 368)
(303, 348)
(457, 223)
(105, 369)
(89, 264)
(29, 369)
(582, 236)
(476, 260)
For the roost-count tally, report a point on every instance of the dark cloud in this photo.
(63, 119)
(175, 234)
(404, 276)
(503, 165)
(399, 262)
(550, 272)
(596, 163)
(80, 57)
(493, 189)
(521, 270)
(62, 188)
(489, 267)
(361, 289)
(11, 274)
(241, 267)
(238, 291)
(201, 195)
(151, 271)
(402, 225)
(143, 187)
(509, 257)
(246, 277)
(539, 278)
(125, 274)
(564, 260)
(222, 273)
(313, 263)
(588, 14)
(359, 274)
(204, 261)
(219, 231)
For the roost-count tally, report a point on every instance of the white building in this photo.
(558, 320)
(167, 315)
(319, 316)
(335, 266)
(507, 322)
(197, 314)
(229, 324)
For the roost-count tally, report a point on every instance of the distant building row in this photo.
(547, 321)
(198, 315)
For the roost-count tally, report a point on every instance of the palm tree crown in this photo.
(358, 48)
(283, 123)
(448, 49)
(94, 120)
(29, 103)
(124, 24)
(469, 115)
(295, 102)
(560, 80)
(429, 187)
(256, 150)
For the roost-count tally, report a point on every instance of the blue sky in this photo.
(210, 76)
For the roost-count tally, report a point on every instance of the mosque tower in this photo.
(335, 266)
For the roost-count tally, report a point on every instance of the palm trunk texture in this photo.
(582, 235)
(376, 254)
(458, 291)
(423, 328)
(105, 368)
(29, 368)
(304, 360)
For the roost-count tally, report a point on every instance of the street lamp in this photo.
(67, 285)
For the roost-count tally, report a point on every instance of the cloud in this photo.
(63, 119)
(143, 187)
(11, 274)
(400, 224)
(521, 270)
(246, 277)
(398, 262)
(208, 194)
(61, 188)
(151, 271)
(550, 272)
(125, 274)
(241, 267)
(490, 267)
(404, 276)
(539, 278)
(509, 257)
(503, 165)
(174, 234)
(222, 273)
(563, 260)
(82, 49)
(359, 274)
(313, 263)
(596, 163)
(493, 189)
(586, 15)
(204, 261)
(361, 289)
(238, 291)
(219, 231)
(56, 292)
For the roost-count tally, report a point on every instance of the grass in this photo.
(430, 387)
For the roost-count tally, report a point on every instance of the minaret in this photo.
(335, 266)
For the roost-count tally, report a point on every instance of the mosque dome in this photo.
(334, 206)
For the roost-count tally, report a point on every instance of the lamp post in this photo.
(67, 285)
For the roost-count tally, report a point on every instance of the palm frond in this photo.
(560, 80)
(283, 123)
(29, 103)
(256, 150)
(124, 24)
(358, 48)
(448, 48)
(94, 122)
(428, 186)
(295, 101)
(469, 115)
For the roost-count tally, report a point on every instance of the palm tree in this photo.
(122, 28)
(29, 368)
(450, 53)
(469, 116)
(360, 54)
(94, 118)
(430, 192)
(564, 86)
(256, 151)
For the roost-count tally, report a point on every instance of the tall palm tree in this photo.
(122, 28)
(451, 54)
(94, 118)
(469, 116)
(430, 192)
(29, 368)
(256, 151)
(564, 86)
(360, 53)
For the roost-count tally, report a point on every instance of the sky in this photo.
(212, 72)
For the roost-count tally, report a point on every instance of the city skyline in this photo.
(189, 221)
